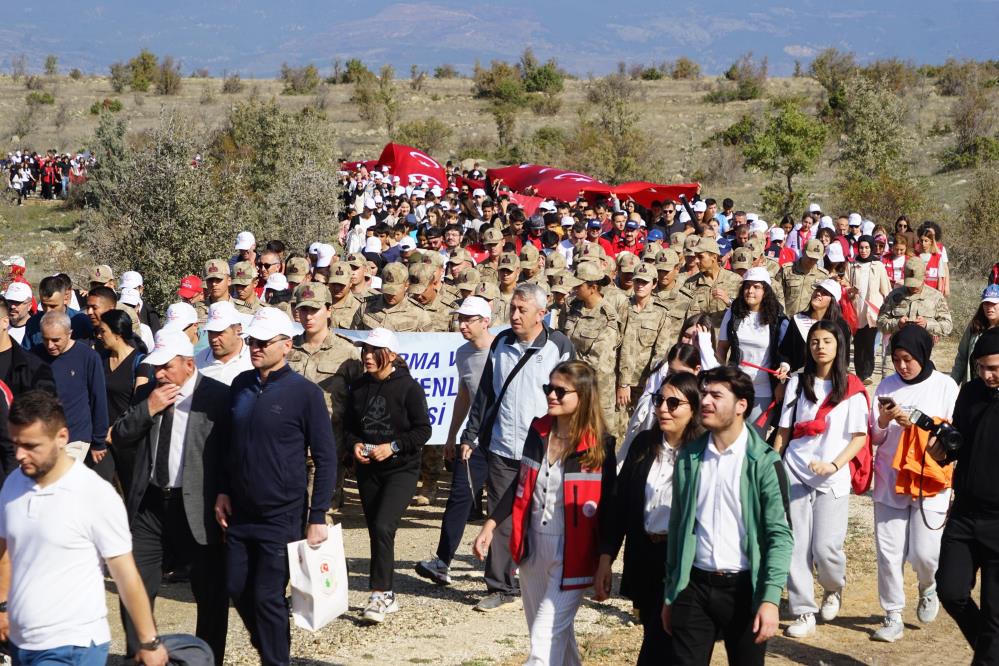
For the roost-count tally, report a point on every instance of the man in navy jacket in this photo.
(278, 417)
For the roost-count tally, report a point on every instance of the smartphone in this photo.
(886, 402)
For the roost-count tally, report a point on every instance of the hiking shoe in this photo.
(435, 570)
(890, 630)
(803, 627)
(929, 605)
(496, 601)
(421, 500)
(830, 606)
(379, 605)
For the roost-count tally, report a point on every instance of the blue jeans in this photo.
(73, 655)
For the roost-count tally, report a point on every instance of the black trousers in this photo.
(970, 544)
(657, 646)
(160, 528)
(502, 474)
(863, 351)
(713, 607)
(386, 491)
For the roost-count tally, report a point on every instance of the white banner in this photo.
(430, 357)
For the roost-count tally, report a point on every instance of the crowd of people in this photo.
(50, 175)
(687, 381)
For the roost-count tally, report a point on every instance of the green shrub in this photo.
(299, 80)
(651, 74)
(121, 76)
(738, 133)
(975, 239)
(75, 74)
(39, 97)
(112, 105)
(974, 120)
(429, 134)
(882, 196)
(143, 69)
(168, 78)
(445, 72)
(896, 75)
(232, 84)
(744, 80)
(546, 104)
(684, 69)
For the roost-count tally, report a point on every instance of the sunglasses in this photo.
(263, 344)
(672, 402)
(559, 391)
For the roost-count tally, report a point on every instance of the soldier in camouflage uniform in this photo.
(796, 282)
(555, 264)
(915, 304)
(345, 304)
(391, 308)
(530, 265)
(509, 277)
(217, 284)
(244, 282)
(297, 271)
(562, 286)
(592, 326)
(358, 264)
(425, 291)
(627, 263)
(712, 289)
(757, 246)
(330, 361)
(490, 293)
(492, 240)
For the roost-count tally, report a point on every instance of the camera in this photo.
(946, 434)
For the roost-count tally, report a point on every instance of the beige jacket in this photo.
(871, 281)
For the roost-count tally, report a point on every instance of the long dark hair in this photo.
(687, 384)
(698, 320)
(119, 323)
(838, 372)
(833, 312)
(979, 324)
(770, 309)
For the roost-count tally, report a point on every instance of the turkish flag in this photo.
(472, 183)
(370, 165)
(411, 163)
(548, 182)
(527, 203)
(645, 193)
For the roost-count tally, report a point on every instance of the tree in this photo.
(51, 65)
(977, 230)
(299, 80)
(417, 77)
(18, 66)
(429, 134)
(143, 68)
(832, 69)
(539, 78)
(874, 133)
(684, 68)
(973, 117)
(377, 99)
(745, 79)
(787, 143)
(168, 79)
(121, 76)
(503, 89)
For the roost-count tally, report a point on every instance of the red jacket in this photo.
(584, 490)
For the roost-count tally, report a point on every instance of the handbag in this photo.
(318, 581)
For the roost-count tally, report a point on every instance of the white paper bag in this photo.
(318, 581)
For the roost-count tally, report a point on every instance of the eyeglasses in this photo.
(264, 344)
(559, 391)
(263, 265)
(672, 402)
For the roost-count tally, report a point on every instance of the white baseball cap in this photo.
(700, 207)
(381, 337)
(17, 292)
(826, 222)
(222, 315)
(314, 248)
(269, 322)
(130, 280)
(407, 243)
(814, 208)
(276, 282)
(478, 192)
(834, 253)
(15, 260)
(568, 221)
(373, 245)
(855, 220)
(245, 240)
(475, 306)
(752, 216)
(756, 274)
(758, 227)
(169, 343)
(832, 287)
(179, 316)
(129, 296)
(326, 254)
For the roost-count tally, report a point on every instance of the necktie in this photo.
(161, 470)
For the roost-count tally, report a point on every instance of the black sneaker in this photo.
(497, 601)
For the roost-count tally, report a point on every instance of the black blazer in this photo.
(28, 372)
(643, 579)
(208, 430)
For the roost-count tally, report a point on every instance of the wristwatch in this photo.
(151, 645)
(395, 447)
(3, 606)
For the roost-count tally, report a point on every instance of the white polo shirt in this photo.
(225, 372)
(58, 538)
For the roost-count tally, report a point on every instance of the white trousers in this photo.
(550, 610)
(901, 536)
(819, 522)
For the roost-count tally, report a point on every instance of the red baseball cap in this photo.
(190, 287)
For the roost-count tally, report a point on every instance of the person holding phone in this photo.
(907, 527)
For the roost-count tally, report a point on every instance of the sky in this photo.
(255, 37)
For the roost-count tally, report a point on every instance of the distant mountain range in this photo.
(254, 37)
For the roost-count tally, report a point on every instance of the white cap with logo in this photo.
(169, 343)
(129, 296)
(222, 315)
(130, 280)
(17, 292)
(757, 274)
(381, 337)
(245, 240)
(475, 306)
(268, 323)
(179, 316)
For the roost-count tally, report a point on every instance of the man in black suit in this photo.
(178, 427)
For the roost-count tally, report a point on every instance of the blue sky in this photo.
(254, 37)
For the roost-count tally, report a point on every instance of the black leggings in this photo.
(386, 490)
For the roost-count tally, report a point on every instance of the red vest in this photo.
(932, 278)
(582, 492)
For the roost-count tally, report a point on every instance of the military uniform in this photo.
(439, 309)
(644, 343)
(403, 317)
(243, 273)
(696, 290)
(929, 303)
(794, 287)
(490, 292)
(594, 334)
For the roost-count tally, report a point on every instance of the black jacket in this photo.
(393, 410)
(976, 417)
(28, 372)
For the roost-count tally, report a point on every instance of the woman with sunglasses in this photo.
(558, 506)
(823, 425)
(639, 514)
(386, 425)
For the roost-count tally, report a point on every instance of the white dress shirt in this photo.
(178, 432)
(224, 372)
(659, 490)
(720, 529)
(547, 502)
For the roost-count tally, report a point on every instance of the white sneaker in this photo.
(803, 627)
(929, 605)
(379, 605)
(830, 606)
(891, 629)
(435, 570)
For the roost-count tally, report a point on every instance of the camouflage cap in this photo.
(467, 279)
(555, 263)
(814, 249)
(646, 272)
(677, 239)
(395, 278)
(243, 273)
(297, 269)
(420, 277)
(357, 260)
(529, 256)
(915, 272)
(492, 236)
(460, 255)
(312, 295)
(339, 274)
(742, 259)
(216, 268)
(592, 250)
(709, 245)
(667, 260)
(101, 273)
(590, 271)
(487, 290)
(651, 251)
(690, 244)
(564, 283)
(627, 262)
(432, 257)
(755, 246)
(508, 261)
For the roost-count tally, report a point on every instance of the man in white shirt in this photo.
(59, 523)
(18, 296)
(726, 562)
(227, 354)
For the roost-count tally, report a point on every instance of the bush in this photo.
(882, 196)
(548, 104)
(953, 77)
(651, 74)
(974, 120)
(832, 69)
(547, 146)
(38, 97)
(207, 95)
(51, 65)
(445, 72)
(111, 105)
(299, 80)
(201, 73)
(75, 74)
(34, 82)
(232, 84)
(501, 81)
(377, 99)
(738, 133)
(25, 121)
(975, 240)
(896, 75)
(875, 135)
(417, 78)
(539, 78)
(429, 135)
(168, 79)
(745, 79)
(143, 69)
(356, 70)
(684, 69)
(121, 76)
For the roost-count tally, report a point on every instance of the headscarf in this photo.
(915, 340)
(871, 243)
